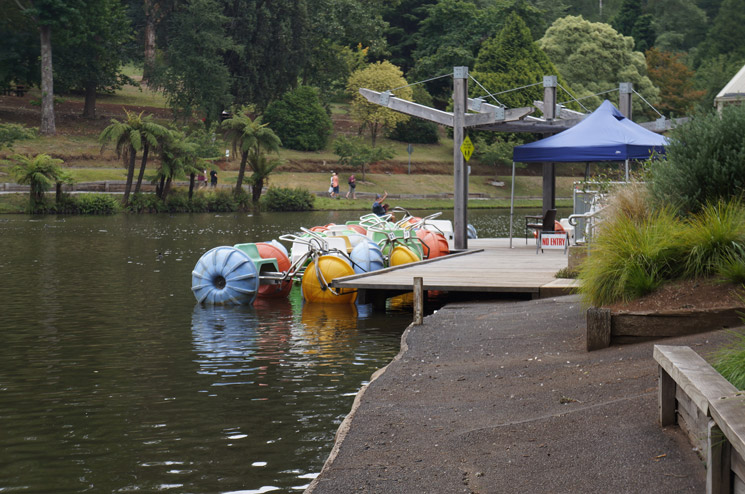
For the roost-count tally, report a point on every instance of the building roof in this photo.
(735, 88)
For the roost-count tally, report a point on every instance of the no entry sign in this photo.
(552, 240)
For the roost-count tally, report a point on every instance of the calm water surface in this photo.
(112, 380)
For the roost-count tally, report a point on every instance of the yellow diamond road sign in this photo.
(466, 148)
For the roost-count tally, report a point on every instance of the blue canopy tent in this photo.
(604, 135)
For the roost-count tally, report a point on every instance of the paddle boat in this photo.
(241, 273)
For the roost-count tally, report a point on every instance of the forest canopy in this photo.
(207, 56)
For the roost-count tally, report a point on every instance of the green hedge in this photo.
(102, 204)
(213, 201)
(284, 199)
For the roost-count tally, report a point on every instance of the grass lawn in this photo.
(77, 144)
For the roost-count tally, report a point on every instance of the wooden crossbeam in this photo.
(409, 108)
(488, 114)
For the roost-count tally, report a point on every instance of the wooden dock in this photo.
(488, 266)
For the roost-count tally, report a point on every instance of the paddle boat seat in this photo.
(262, 265)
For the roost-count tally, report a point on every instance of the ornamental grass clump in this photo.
(730, 362)
(714, 239)
(630, 258)
(630, 200)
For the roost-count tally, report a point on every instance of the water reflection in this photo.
(111, 380)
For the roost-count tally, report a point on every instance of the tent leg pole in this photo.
(627, 171)
(512, 201)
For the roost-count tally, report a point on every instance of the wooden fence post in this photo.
(418, 301)
(598, 328)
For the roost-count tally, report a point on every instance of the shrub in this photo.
(416, 131)
(199, 203)
(177, 202)
(96, 204)
(219, 201)
(299, 120)
(704, 161)
(496, 153)
(223, 201)
(145, 203)
(9, 133)
(79, 204)
(283, 199)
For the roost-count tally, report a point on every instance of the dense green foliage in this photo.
(630, 21)
(284, 199)
(88, 58)
(212, 201)
(704, 161)
(93, 204)
(512, 59)
(593, 58)
(191, 72)
(271, 47)
(207, 54)
(299, 120)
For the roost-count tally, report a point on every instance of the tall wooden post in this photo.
(460, 172)
(625, 89)
(549, 112)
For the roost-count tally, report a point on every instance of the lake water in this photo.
(113, 380)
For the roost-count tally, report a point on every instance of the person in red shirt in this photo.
(352, 185)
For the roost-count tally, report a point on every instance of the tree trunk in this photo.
(47, 83)
(374, 133)
(58, 193)
(256, 189)
(143, 164)
(152, 17)
(130, 174)
(241, 172)
(191, 185)
(89, 111)
(166, 189)
(149, 49)
(161, 187)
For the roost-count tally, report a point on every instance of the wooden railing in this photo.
(710, 410)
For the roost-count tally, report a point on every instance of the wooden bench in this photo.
(711, 410)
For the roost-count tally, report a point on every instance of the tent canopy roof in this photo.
(605, 135)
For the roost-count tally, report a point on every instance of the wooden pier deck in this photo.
(488, 266)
